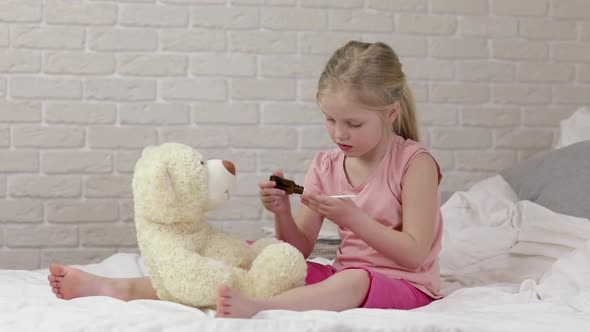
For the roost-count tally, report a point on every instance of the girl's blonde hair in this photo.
(372, 74)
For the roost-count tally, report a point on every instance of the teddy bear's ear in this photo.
(153, 188)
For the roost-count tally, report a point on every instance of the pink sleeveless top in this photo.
(381, 197)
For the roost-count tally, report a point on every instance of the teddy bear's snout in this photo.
(229, 166)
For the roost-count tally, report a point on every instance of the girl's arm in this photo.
(410, 246)
(301, 233)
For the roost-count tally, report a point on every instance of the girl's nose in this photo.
(229, 166)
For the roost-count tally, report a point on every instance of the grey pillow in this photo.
(558, 180)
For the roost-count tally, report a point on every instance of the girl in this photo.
(391, 230)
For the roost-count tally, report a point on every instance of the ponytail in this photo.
(406, 125)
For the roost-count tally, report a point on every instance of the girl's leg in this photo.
(344, 290)
(69, 283)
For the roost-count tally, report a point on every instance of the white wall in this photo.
(85, 85)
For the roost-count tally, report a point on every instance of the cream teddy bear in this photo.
(186, 257)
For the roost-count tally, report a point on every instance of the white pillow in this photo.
(575, 129)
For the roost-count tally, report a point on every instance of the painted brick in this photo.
(219, 113)
(154, 16)
(223, 64)
(250, 137)
(324, 43)
(332, 3)
(79, 63)
(290, 113)
(545, 72)
(489, 26)
(399, 5)
(119, 39)
(437, 25)
(192, 40)
(545, 116)
(20, 112)
(44, 186)
(20, 11)
(344, 20)
(226, 18)
(485, 71)
(67, 12)
(191, 89)
(459, 93)
(273, 89)
(262, 42)
(77, 162)
(107, 186)
(459, 48)
(19, 259)
(548, 29)
(572, 9)
(121, 137)
(108, 235)
(520, 8)
(292, 66)
(48, 137)
(19, 161)
(490, 117)
(115, 89)
(525, 138)
(19, 61)
(521, 94)
(474, 7)
(152, 65)
(484, 161)
(48, 37)
(75, 211)
(154, 114)
(517, 49)
(45, 88)
(570, 51)
(125, 161)
(315, 138)
(203, 137)
(18, 211)
(461, 138)
(80, 113)
(71, 257)
(293, 19)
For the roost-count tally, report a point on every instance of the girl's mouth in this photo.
(344, 147)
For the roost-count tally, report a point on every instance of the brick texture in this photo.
(86, 85)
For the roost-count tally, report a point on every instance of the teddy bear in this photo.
(186, 257)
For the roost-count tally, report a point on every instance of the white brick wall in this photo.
(86, 84)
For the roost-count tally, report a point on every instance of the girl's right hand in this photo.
(274, 200)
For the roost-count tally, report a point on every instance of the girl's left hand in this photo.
(341, 211)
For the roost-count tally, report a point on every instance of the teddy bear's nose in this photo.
(229, 166)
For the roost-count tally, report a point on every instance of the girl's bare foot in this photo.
(231, 304)
(69, 283)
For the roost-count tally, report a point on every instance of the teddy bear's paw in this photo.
(278, 268)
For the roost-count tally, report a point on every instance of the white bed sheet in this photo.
(506, 265)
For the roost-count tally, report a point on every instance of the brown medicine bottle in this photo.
(289, 186)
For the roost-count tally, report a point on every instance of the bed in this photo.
(516, 257)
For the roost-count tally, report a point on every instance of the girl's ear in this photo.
(393, 111)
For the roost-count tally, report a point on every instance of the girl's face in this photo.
(359, 132)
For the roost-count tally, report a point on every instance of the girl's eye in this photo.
(329, 120)
(354, 125)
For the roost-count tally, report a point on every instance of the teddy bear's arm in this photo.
(229, 249)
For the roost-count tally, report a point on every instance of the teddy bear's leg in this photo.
(259, 245)
(193, 279)
(278, 268)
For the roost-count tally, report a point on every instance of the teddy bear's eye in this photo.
(202, 163)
